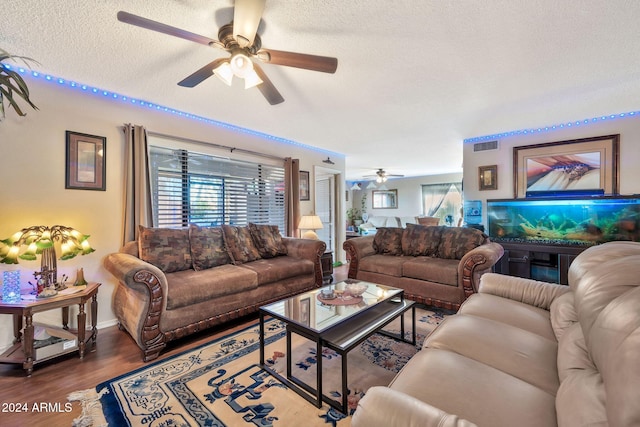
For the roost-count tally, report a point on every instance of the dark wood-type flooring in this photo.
(115, 353)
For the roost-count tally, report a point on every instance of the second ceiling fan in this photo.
(241, 40)
(382, 176)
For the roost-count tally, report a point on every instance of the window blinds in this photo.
(189, 187)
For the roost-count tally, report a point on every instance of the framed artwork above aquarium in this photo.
(581, 221)
(587, 166)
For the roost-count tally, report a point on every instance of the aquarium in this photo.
(565, 220)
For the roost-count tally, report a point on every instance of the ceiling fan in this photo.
(382, 176)
(241, 40)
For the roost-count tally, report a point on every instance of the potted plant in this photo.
(353, 215)
(12, 85)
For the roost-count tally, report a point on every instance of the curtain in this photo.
(292, 195)
(433, 195)
(137, 188)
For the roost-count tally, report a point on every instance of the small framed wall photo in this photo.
(305, 191)
(85, 162)
(488, 176)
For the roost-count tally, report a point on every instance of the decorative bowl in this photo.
(355, 289)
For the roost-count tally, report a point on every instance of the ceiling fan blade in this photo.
(267, 88)
(202, 74)
(323, 64)
(246, 18)
(139, 21)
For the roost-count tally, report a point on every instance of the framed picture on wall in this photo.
(85, 161)
(385, 199)
(488, 177)
(579, 166)
(305, 189)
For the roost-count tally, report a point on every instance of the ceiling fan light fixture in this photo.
(252, 79)
(241, 64)
(224, 73)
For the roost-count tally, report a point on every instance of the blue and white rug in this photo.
(221, 384)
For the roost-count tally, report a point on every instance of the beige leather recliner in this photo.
(528, 354)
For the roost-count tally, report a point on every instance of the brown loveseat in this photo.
(434, 265)
(174, 282)
(528, 354)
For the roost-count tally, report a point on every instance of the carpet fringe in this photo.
(91, 408)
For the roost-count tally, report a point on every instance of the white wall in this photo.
(32, 176)
(628, 128)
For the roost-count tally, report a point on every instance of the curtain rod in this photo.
(213, 144)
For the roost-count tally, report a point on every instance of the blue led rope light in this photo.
(161, 108)
(553, 127)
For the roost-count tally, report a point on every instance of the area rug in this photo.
(221, 383)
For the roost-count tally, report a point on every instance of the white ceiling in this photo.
(414, 78)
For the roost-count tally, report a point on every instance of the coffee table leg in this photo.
(413, 324)
(261, 339)
(345, 392)
(319, 372)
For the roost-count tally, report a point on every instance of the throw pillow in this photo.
(457, 241)
(388, 241)
(207, 247)
(268, 240)
(421, 240)
(166, 248)
(239, 244)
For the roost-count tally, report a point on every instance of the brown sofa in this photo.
(434, 265)
(528, 354)
(174, 282)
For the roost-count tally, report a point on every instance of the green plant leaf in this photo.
(12, 85)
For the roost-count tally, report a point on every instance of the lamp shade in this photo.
(310, 223)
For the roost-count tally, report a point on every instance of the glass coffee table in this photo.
(340, 323)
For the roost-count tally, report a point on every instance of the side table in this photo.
(326, 260)
(22, 350)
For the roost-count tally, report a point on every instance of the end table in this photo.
(326, 260)
(22, 350)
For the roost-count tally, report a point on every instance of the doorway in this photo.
(326, 204)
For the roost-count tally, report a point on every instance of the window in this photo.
(189, 187)
(443, 201)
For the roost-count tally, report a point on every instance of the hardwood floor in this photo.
(42, 398)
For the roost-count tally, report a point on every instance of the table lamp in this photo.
(40, 240)
(310, 223)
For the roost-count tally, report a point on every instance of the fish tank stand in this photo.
(539, 262)
(542, 236)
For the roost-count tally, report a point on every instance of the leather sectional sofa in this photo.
(174, 282)
(435, 265)
(528, 354)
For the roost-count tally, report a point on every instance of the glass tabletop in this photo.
(314, 312)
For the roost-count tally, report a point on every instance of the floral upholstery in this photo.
(207, 247)
(388, 241)
(268, 240)
(457, 241)
(421, 240)
(240, 244)
(166, 248)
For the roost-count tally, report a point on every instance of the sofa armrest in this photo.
(308, 249)
(384, 407)
(358, 248)
(146, 299)
(475, 263)
(532, 292)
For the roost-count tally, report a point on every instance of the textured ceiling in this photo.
(414, 77)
